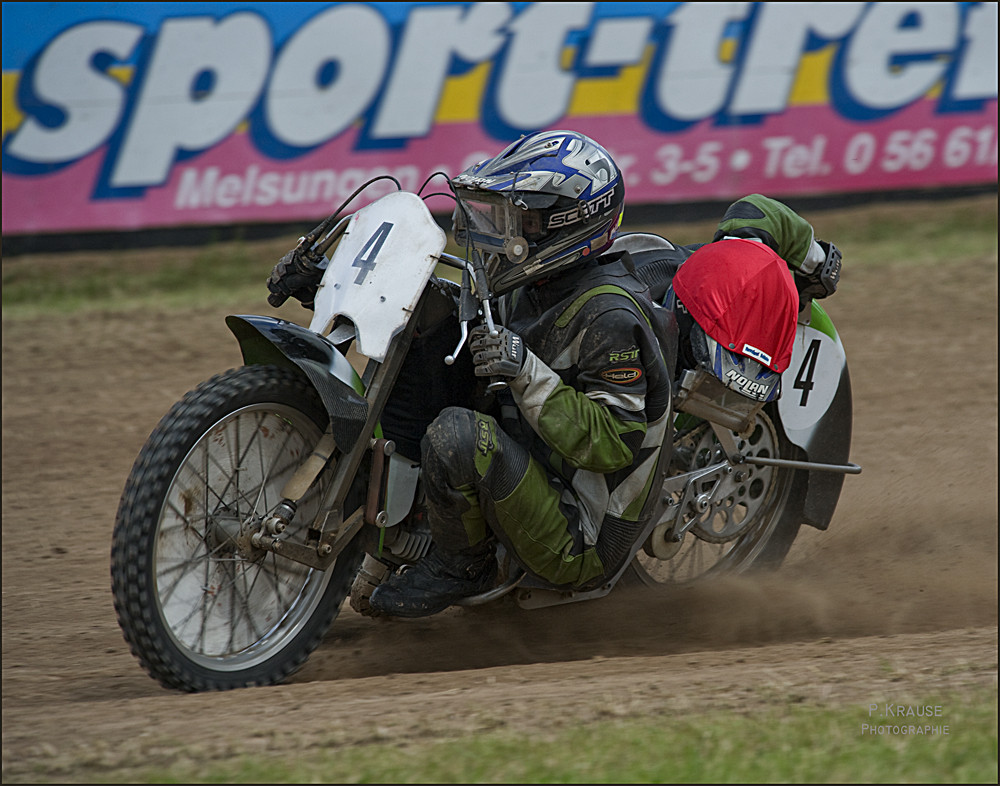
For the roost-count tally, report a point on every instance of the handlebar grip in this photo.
(276, 299)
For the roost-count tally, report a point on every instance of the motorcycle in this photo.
(268, 495)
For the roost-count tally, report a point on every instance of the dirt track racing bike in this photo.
(268, 494)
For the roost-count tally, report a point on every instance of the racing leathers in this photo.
(562, 469)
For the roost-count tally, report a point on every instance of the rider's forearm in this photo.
(583, 431)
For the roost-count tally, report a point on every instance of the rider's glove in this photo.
(496, 356)
(822, 282)
(294, 276)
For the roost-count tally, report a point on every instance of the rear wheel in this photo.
(200, 606)
(745, 518)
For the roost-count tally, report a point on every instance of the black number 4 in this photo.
(804, 379)
(372, 247)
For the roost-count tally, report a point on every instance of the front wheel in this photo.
(200, 606)
(749, 520)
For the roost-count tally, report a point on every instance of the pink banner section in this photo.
(809, 149)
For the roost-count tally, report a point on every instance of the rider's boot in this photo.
(436, 582)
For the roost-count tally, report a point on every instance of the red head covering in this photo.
(742, 294)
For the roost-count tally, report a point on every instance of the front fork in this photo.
(332, 530)
(322, 545)
(272, 341)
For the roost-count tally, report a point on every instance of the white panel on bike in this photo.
(810, 382)
(379, 269)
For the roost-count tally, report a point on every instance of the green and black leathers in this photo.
(561, 469)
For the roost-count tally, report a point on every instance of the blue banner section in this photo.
(27, 27)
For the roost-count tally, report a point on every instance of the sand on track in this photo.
(897, 601)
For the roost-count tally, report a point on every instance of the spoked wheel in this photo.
(738, 519)
(201, 607)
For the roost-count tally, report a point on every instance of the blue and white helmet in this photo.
(741, 373)
(545, 202)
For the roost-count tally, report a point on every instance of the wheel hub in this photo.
(661, 544)
(226, 534)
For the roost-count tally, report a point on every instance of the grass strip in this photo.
(779, 743)
(906, 234)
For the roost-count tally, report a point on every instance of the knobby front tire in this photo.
(200, 608)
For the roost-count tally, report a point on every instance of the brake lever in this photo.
(450, 359)
(467, 311)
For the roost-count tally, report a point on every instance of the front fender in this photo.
(816, 410)
(271, 341)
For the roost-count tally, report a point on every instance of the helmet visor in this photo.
(488, 220)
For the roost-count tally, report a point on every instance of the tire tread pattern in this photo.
(136, 528)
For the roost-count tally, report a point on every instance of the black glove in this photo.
(496, 356)
(822, 282)
(294, 276)
(808, 291)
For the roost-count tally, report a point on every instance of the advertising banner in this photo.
(124, 116)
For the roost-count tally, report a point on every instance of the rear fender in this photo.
(816, 410)
(271, 341)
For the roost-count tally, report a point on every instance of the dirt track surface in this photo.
(896, 603)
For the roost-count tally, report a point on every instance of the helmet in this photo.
(736, 370)
(545, 202)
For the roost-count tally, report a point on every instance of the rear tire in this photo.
(750, 523)
(200, 608)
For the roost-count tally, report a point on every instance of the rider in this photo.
(559, 470)
(559, 466)
(733, 297)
